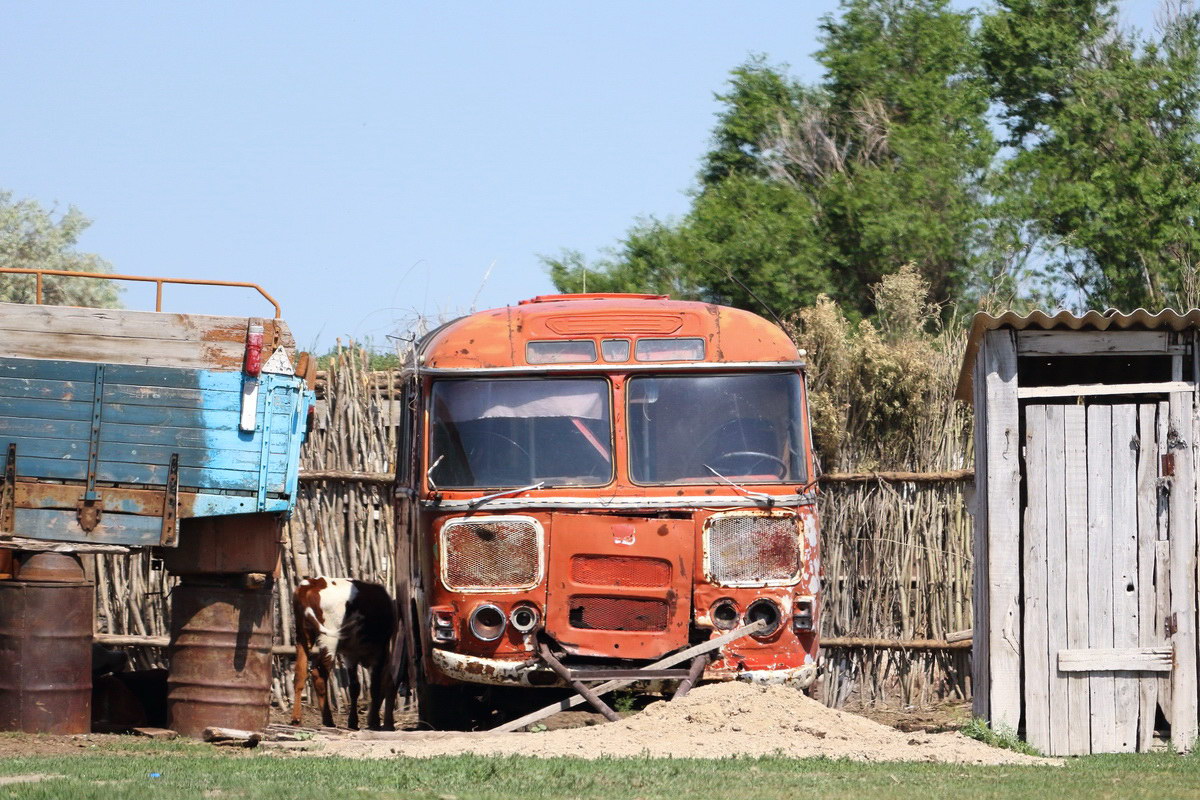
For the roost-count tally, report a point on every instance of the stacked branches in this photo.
(342, 526)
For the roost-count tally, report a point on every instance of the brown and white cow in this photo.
(353, 619)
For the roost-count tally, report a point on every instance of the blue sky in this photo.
(368, 162)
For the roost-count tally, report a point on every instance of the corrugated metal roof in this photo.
(1138, 320)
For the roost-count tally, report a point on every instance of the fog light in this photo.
(724, 615)
(488, 622)
(524, 618)
(443, 625)
(802, 615)
(766, 611)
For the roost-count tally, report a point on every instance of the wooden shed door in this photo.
(1104, 649)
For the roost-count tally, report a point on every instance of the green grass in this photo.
(1004, 738)
(199, 771)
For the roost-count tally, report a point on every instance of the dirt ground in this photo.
(716, 721)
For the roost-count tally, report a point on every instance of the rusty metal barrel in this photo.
(46, 656)
(220, 674)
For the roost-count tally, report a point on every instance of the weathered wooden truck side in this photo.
(116, 424)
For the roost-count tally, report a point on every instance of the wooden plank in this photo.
(1033, 565)
(1181, 423)
(1162, 617)
(46, 370)
(1125, 566)
(980, 654)
(1103, 389)
(1056, 575)
(169, 417)
(199, 457)
(174, 378)
(63, 526)
(1100, 572)
(1079, 704)
(1004, 528)
(169, 436)
(45, 428)
(1147, 536)
(128, 337)
(100, 348)
(30, 468)
(26, 388)
(45, 409)
(1059, 343)
(212, 399)
(123, 323)
(1143, 659)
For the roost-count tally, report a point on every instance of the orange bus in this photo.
(601, 480)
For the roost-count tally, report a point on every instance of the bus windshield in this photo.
(518, 432)
(700, 428)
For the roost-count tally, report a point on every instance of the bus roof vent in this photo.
(614, 323)
(554, 298)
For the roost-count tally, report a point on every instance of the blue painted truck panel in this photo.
(128, 434)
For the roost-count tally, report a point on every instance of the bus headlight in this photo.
(487, 622)
(748, 548)
(486, 553)
(766, 611)
(524, 618)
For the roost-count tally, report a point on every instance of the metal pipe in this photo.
(107, 276)
(694, 672)
(577, 685)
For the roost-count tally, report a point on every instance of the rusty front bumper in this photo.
(498, 672)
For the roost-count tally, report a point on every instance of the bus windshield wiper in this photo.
(766, 499)
(481, 500)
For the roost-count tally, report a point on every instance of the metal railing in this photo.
(158, 283)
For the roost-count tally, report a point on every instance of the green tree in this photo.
(31, 237)
(828, 188)
(1104, 127)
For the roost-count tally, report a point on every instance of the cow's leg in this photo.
(301, 676)
(383, 692)
(355, 687)
(320, 672)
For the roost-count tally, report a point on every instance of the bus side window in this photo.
(405, 457)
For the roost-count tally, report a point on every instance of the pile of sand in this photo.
(714, 721)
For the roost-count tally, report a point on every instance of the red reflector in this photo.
(254, 343)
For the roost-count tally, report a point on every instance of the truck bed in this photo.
(122, 422)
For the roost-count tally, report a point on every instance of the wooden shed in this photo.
(1085, 527)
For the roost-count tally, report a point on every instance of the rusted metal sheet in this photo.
(619, 586)
(231, 544)
(48, 566)
(46, 656)
(486, 341)
(220, 655)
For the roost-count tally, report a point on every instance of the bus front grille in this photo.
(597, 570)
(594, 612)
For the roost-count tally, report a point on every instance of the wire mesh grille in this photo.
(751, 549)
(620, 571)
(618, 613)
(491, 555)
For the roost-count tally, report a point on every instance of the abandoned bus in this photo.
(591, 482)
